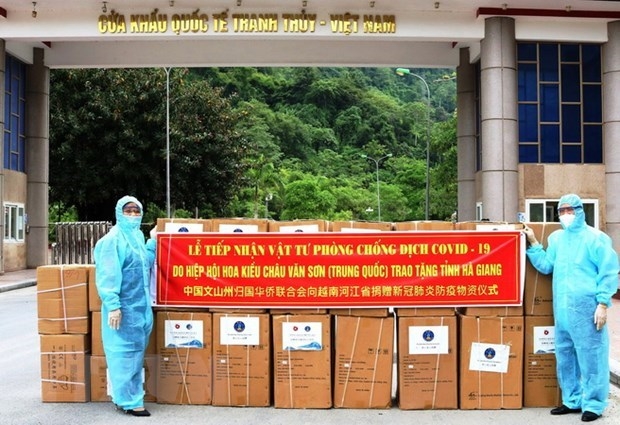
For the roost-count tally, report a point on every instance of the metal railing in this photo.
(75, 241)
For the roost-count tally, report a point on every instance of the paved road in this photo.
(20, 394)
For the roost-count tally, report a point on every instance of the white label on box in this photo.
(489, 357)
(428, 339)
(239, 330)
(305, 228)
(238, 228)
(183, 228)
(183, 333)
(544, 340)
(306, 336)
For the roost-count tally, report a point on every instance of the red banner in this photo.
(340, 270)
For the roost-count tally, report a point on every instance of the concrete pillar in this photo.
(611, 130)
(2, 78)
(37, 160)
(466, 136)
(499, 126)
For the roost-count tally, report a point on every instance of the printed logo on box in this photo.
(302, 336)
(239, 330)
(428, 339)
(489, 357)
(183, 333)
(544, 340)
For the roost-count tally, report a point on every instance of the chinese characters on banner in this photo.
(343, 270)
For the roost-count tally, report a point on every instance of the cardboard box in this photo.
(64, 368)
(303, 226)
(540, 384)
(182, 225)
(243, 225)
(487, 226)
(364, 353)
(427, 362)
(99, 389)
(237, 310)
(360, 312)
(491, 362)
(302, 361)
(94, 302)
(185, 352)
(282, 311)
(424, 225)
(241, 360)
(492, 311)
(96, 342)
(425, 311)
(62, 299)
(360, 226)
(538, 293)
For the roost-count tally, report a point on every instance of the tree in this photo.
(107, 139)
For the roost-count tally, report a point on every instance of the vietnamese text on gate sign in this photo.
(340, 269)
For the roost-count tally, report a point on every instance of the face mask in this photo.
(567, 220)
(133, 222)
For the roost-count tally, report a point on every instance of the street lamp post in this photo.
(167, 70)
(405, 71)
(378, 193)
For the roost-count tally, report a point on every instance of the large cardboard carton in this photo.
(183, 225)
(360, 226)
(424, 225)
(184, 349)
(100, 390)
(64, 368)
(360, 312)
(491, 362)
(425, 311)
(241, 225)
(427, 363)
(540, 384)
(299, 226)
(62, 299)
(94, 302)
(487, 226)
(538, 294)
(492, 311)
(302, 361)
(364, 351)
(241, 360)
(282, 311)
(96, 342)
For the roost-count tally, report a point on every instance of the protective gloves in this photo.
(600, 316)
(529, 235)
(153, 232)
(114, 319)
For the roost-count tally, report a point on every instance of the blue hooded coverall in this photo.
(585, 274)
(123, 265)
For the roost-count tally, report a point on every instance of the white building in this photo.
(537, 117)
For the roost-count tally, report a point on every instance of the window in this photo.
(478, 211)
(14, 115)
(14, 222)
(560, 103)
(546, 211)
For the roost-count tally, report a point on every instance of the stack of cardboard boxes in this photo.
(540, 385)
(447, 358)
(490, 348)
(63, 326)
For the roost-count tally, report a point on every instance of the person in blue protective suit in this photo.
(123, 263)
(585, 276)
